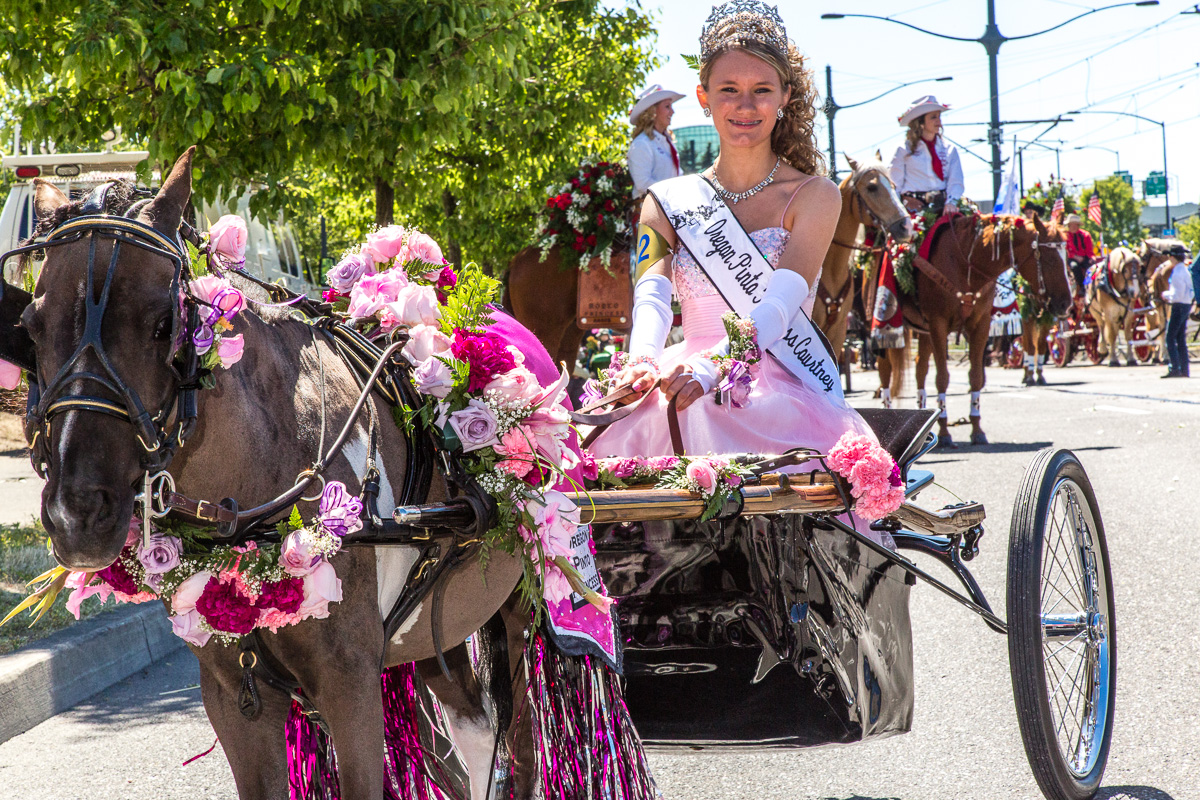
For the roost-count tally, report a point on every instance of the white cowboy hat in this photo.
(1073, 218)
(654, 94)
(922, 105)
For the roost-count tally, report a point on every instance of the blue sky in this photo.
(1140, 60)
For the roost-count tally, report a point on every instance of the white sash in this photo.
(716, 240)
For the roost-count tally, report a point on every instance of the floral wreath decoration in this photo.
(508, 432)
(588, 212)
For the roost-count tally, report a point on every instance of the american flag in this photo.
(1059, 207)
(1094, 208)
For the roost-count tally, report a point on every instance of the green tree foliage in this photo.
(1189, 232)
(452, 105)
(1120, 212)
(1044, 193)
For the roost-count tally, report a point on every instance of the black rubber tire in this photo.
(1045, 477)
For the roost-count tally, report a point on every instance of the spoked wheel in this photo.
(1062, 631)
(1091, 345)
(1061, 349)
(1142, 353)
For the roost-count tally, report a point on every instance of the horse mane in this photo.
(1162, 245)
(120, 196)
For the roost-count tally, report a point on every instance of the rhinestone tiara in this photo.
(740, 21)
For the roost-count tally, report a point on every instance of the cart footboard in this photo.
(758, 631)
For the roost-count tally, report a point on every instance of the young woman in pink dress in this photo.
(754, 85)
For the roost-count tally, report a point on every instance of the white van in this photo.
(271, 250)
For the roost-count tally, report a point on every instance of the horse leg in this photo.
(1029, 344)
(255, 748)
(923, 351)
(976, 343)
(884, 365)
(461, 697)
(1130, 323)
(939, 345)
(1043, 352)
(1112, 329)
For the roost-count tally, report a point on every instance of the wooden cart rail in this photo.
(774, 495)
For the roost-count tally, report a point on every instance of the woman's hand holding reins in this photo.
(640, 377)
(680, 382)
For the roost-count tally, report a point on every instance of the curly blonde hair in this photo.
(916, 128)
(794, 138)
(645, 123)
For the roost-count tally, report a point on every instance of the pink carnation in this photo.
(517, 448)
(873, 474)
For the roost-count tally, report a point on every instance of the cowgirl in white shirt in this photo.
(652, 155)
(926, 162)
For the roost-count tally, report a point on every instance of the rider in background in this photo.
(926, 163)
(1031, 209)
(652, 155)
(1180, 295)
(1080, 250)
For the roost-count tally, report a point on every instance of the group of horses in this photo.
(953, 292)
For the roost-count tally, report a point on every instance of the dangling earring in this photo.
(707, 112)
(779, 113)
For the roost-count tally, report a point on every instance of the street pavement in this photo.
(1136, 435)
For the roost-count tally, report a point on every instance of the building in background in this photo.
(698, 147)
(1153, 217)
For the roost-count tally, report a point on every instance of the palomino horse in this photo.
(955, 290)
(1110, 296)
(1036, 329)
(1156, 280)
(869, 199)
(260, 427)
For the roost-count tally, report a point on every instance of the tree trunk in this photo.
(385, 202)
(453, 249)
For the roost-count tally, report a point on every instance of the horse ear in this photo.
(878, 155)
(165, 211)
(1038, 225)
(853, 164)
(47, 198)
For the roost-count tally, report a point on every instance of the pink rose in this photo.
(424, 342)
(385, 244)
(187, 627)
(298, 557)
(415, 305)
(373, 292)
(227, 240)
(587, 466)
(10, 375)
(229, 349)
(322, 586)
(734, 480)
(703, 474)
(518, 385)
(433, 377)
(422, 247)
(189, 592)
(475, 426)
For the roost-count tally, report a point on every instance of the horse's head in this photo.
(876, 201)
(1052, 283)
(104, 320)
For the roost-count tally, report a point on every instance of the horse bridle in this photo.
(46, 401)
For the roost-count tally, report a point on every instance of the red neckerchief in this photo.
(933, 156)
(674, 154)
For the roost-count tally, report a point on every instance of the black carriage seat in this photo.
(901, 431)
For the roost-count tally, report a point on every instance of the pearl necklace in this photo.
(734, 197)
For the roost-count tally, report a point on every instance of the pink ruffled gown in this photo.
(783, 412)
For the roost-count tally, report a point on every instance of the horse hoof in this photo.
(1114, 363)
(978, 437)
(946, 442)
(1028, 381)
(1041, 380)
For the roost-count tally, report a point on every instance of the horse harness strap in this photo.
(966, 298)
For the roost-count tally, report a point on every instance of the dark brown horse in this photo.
(255, 432)
(955, 289)
(1035, 329)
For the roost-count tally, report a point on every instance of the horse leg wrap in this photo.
(942, 405)
(922, 398)
(887, 398)
(975, 404)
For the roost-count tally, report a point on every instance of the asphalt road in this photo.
(1136, 435)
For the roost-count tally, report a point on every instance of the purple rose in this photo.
(433, 378)
(160, 554)
(475, 426)
(340, 512)
(299, 555)
(187, 627)
(347, 271)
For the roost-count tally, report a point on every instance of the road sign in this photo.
(1125, 176)
(1168, 232)
(1156, 184)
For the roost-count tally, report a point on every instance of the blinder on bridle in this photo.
(49, 400)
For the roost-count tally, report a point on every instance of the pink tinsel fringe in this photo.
(584, 740)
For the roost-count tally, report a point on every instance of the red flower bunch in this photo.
(588, 211)
(486, 355)
(226, 608)
(286, 595)
(118, 577)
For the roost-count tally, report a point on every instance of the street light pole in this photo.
(1163, 127)
(1116, 153)
(992, 40)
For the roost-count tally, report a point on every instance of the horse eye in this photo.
(872, 188)
(162, 330)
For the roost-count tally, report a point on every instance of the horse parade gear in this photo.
(735, 197)
(738, 22)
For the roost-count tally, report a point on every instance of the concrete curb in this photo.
(55, 673)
